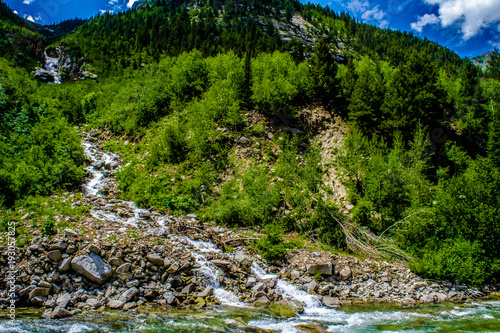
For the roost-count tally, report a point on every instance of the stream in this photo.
(233, 315)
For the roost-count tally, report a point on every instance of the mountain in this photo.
(269, 114)
(482, 60)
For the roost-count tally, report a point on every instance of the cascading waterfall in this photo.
(103, 165)
(51, 65)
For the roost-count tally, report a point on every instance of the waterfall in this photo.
(51, 65)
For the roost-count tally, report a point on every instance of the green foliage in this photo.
(49, 228)
(324, 86)
(272, 244)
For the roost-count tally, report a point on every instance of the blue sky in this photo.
(469, 27)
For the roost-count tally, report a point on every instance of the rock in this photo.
(93, 302)
(258, 287)
(323, 269)
(331, 302)
(311, 286)
(129, 306)
(38, 300)
(60, 312)
(311, 328)
(188, 289)
(55, 255)
(71, 249)
(209, 291)
(92, 267)
(115, 262)
(115, 304)
(428, 298)
(155, 259)
(220, 263)
(46, 314)
(173, 268)
(262, 301)
(408, 301)
(128, 295)
(26, 291)
(44, 76)
(345, 273)
(63, 300)
(95, 249)
(441, 297)
(61, 246)
(251, 282)
(65, 265)
(39, 292)
(133, 283)
(123, 268)
(44, 284)
(295, 274)
(169, 297)
(244, 141)
(245, 262)
(283, 309)
(70, 232)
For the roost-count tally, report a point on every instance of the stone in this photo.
(245, 262)
(128, 295)
(220, 263)
(311, 286)
(295, 274)
(311, 328)
(323, 269)
(65, 265)
(345, 273)
(441, 297)
(115, 262)
(408, 301)
(173, 268)
(95, 249)
(70, 232)
(39, 292)
(92, 267)
(209, 291)
(71, 249)
(115, 304)
(129, 306)
(61, 246)
(63, 300)
(55, 255)
(155, 259)
(60, 312)
(250, 282)
(26, 291)
(283, 309)
(331, 302)
(133, 283)
(169, 297)
(188, 289)
(38, 300)
(258, 287)
(124, 276)
(44, 284)
(93, 302)
(428, 298)
(262, 301)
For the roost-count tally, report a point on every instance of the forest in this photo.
(193, 93)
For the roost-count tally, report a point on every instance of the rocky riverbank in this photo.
(122, 257)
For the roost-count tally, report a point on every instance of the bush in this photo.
(272, 245)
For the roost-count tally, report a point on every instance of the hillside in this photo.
(272, 115)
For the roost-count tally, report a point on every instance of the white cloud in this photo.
(357, 6)
(423, 21)
(28, 2)
(130, 3)
(373, 14)
(383, 24)
(30, 18)
(472, 16)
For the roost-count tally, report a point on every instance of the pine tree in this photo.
(494, 65)
(324, 86)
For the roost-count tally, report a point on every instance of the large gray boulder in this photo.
(323, 269)
(92, 267)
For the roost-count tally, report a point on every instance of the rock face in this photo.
(92, 267)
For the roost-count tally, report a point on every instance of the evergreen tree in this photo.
(494, 65)
(324, 86)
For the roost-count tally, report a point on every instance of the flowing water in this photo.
(232, 315)
(51, 66)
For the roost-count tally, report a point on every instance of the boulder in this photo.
(93, 302)
(63, 300)
(128, 295)
(428, 298)
(115, 304)
(95, 249)
(311, 328)
(155, 259)
(331, 302)
(55, 255)
(39, 292)
(115, 262)
(323, 269)
(345, 273)
(129, 306)
(209, 291)
(60, 312)
(283, 309)
(173, 268)
(65, 265)
(92, 267)
(70, 232)
(262, 301)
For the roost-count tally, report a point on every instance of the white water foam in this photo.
(51, 65)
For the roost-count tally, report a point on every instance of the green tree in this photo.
(324, 86)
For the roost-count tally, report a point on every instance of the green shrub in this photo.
(272, 245)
